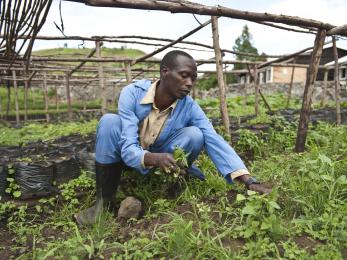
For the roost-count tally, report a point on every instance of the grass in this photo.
(303, 218)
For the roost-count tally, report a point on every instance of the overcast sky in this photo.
(83, 20)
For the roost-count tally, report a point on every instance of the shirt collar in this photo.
(149, 97)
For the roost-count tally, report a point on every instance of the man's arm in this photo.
(131, 151)
(221, 153)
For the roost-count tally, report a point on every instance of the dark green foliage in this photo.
(244, 43)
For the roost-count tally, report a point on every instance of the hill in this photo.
(73, 52)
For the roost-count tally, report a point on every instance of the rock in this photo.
(130, 207)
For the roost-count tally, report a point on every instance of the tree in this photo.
(243, 43)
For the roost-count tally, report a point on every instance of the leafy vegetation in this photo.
(184, 218)
(44, 132)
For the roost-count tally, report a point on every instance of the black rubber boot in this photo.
(107, 181)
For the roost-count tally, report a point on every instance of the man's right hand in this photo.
(164, 161)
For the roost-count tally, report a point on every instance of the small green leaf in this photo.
(240, 197)
(248, 210)
(17, 194)
(342, 180)
(326, 177)
(274, 205)
(251, 193)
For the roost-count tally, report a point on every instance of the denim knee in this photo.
(195, 136)
(107, 148)
(108, 122)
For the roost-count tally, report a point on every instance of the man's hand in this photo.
(260, 188)
(257, 187)
(164, 161)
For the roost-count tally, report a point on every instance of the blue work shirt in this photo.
(186, 113)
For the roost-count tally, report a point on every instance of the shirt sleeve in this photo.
(131, 152)
(221, 153)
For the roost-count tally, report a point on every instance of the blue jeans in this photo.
(108, 150)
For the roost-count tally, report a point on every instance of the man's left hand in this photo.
(260, 188)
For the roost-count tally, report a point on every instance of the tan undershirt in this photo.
(152, 125)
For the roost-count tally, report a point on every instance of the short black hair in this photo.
(169, 59)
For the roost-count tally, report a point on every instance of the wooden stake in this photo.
(172, 43)
(325, 87)
(56, 98)
(26, 88)
(1, 114)
(45, 96)
(16, 96)
(68, 96)
(8, 106)
(337, 83)
(101, 79)
(256, 90)
(265, 102)
(220, 78)
(309, 86)
(127, 66)
(290, 88)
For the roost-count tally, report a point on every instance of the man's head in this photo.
(178, 73)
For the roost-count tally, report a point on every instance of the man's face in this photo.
(179, 80)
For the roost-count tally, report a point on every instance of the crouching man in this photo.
(154, 118)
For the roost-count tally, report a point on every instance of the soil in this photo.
(6, 242)
(307, 243)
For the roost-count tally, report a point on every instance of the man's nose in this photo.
(189, 82)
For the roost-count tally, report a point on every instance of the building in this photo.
(275, 74)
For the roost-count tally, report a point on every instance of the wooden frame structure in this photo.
(180, 6)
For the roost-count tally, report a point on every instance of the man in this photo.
(153, 119)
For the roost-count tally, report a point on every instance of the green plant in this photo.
(13, 187)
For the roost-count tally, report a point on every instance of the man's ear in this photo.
(164, 70)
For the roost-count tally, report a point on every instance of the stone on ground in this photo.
(129, 208)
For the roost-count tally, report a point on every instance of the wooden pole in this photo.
(127, 66)
(56, 98)
(8, 88)
(102, 85)
(26, 88)
(290, 88)
(337, 83)
(309, 86)
(33, 97)
(256, 90)
(172, 43)
(1, 114)
(220, 78)
(16, 96)
(324, 87)
(265, 102)
(218, 10)
(68, 96)
(45, 96)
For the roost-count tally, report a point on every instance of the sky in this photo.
(83, 20)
